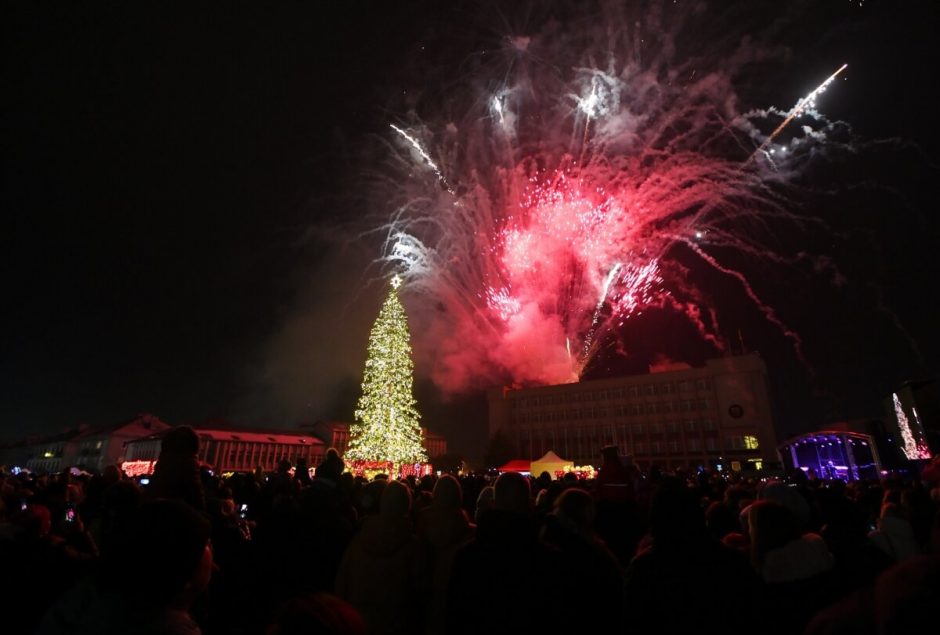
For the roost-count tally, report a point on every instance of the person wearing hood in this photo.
(384, 572)
(894, 534)
(503, 580)
(797, 567)
(685, 581)
(443, 527)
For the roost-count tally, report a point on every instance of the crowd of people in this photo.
(284, 553)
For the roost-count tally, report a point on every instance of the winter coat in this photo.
(797, 560)
(895, 537)
(503, 581)
(443, 532)
(384, 573)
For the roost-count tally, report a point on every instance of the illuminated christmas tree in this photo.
(386, 427)
(912, 449)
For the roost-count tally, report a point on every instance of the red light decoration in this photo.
(369, 469)
(138, 468)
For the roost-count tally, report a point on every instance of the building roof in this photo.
(826, 435)
(146, 419)
(259, 436)
(675, 371)
(327, 425)
(247, 436)
(84, 431)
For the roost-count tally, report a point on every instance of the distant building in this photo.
(434, 444)
(675, 416)
(97, 448)
(335, 434)
(234, 450)
(87, 447)
(137, 443)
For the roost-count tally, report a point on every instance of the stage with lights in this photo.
(831, 454)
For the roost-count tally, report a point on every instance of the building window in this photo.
(691, 426)
(672, 427)
(665, 389)
(656, 447)
(634, 391)
(703, 384)
(674, 447)
(750, 442)
(639, 429)
(711, 445)
(708, 425)
(656, 428)
(704, 404)
(694, 445)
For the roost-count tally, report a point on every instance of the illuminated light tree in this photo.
(912, 449)
(387, 428)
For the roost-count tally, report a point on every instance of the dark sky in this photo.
(170, 179)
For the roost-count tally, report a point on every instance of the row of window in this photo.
(647, 390)
(267, 455)
(656, 427)
(633, 410)
(572, 447)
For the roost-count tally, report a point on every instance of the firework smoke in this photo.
(596, 166)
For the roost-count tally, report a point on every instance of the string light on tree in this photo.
(386, 427)
(913, 449)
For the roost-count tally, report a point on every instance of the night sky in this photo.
(176, 187)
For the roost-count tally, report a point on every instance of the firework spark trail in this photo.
(574, 198)
(764, 308)
(424, 155)
(801, 106)
(589, 338)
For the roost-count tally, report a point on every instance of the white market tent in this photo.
(550, 463)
